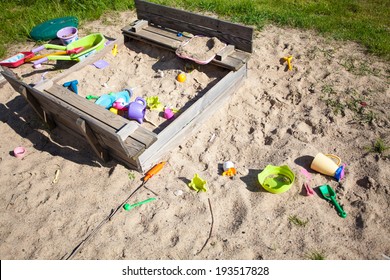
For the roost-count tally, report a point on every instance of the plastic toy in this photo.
(228, 168)
(114, 50)
(67, 35)
(106, 100)
(329, 194)
(288, 59)
(72, 85)
(198, 184)
(276, 179)
(168, 114)
(19, 152)
(128, 207)
(137, 110)
(309, 191)
(154, 104)
(48, 29)
(36, 57)
(120, 104)
(17, 59)
(181, 77)
(325, 165)
(91, 43)
(154, 170)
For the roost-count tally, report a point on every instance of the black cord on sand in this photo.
(211, 228)
(107, 219)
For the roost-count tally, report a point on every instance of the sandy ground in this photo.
(335, 100)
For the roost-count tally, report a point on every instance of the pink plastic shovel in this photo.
(309, 191)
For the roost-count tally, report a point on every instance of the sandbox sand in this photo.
(335, 100)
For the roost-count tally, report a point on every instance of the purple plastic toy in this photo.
(137, 110)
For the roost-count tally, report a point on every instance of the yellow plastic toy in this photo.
(114, 50)
(181, 77)
(198, 184)
(288, 59)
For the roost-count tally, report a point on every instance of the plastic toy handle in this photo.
(140, 203)
(154, 171)
(55, 47)
(335, 157)
(141, 100)
(38, 49)
(338, 207)
(39, 61)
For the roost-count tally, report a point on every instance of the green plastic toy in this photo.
(154, 104)
(128, 207)
(198, 184)
(329, 194)
(276, 179)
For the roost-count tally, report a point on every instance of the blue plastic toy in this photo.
(107, 100)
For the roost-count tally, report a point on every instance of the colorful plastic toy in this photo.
(325, 165)
(19, 152)
(120, 104)
(168, 113)
(309, 191)
(68, 35)
(288, 59)
(72, 85)
(276, 179)
(229, 169)
(198, 184)
(106, 100)
(137, 110)
(128, 207)
(154, 104)
(181, 77)
(329, 194)
(91, 44)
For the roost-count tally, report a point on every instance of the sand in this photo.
(334, 100)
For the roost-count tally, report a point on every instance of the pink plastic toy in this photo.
(168, 114)
(309, 191)
(119, 104)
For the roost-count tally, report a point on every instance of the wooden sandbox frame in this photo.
(124, 140)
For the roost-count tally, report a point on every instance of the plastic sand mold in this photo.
(154, 104)
(276, 179)
(198, 184)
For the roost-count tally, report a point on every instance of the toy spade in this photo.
(329, 194)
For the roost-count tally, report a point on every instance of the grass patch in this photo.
(131, 176)
(379, 146)
(352, 101)
(297, 221)
(316, 255)
(366, 22)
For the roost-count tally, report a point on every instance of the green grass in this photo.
(366, 22)
(378, 147)
(316, 255)
(297, 221)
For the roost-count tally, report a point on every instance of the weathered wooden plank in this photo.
(229, 49)
(231, 62)
(147, 10)
(202, 109)
(184, 26)
(127, 130)
(91, 139)
(139, 25)
(31, 100)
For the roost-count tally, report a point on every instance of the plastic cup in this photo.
(19, 152)
(67, 35)
(324, 164)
